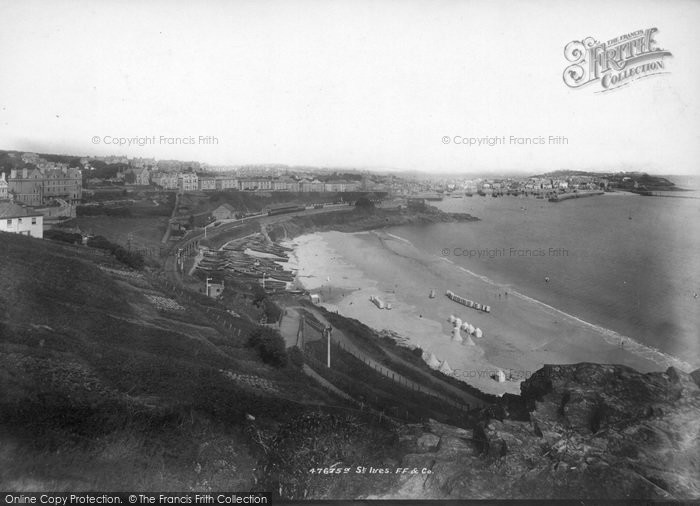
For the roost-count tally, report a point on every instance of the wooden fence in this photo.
(312, 328)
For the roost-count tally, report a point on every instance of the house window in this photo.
(9, 222)
(33, 221)
(19, 221)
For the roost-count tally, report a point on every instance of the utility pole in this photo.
(328, 358)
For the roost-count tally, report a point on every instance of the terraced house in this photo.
(38, 186)
(3, 186)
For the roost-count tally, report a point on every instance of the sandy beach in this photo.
(520, 334)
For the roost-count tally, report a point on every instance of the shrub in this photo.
(59, 235)
(296, 357)
(129, 258)
(364, 203)
(269, 345)
(102, 243)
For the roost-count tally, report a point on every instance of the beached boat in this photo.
(466, 302)
(377, 301)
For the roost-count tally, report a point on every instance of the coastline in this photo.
(521, 334)
(362, 221)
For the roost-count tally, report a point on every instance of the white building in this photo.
(20, 220)
(188, 182)
(3, 186)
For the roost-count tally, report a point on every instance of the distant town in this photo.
(39, 189)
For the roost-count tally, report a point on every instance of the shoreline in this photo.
(520, 335)
(357, 221)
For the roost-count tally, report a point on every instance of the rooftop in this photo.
(12, 210)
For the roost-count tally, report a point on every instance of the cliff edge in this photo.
(576, 431)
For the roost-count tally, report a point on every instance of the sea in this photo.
(627, 264)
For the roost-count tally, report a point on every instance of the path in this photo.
(290, 326)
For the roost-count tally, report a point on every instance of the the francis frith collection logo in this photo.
(615, 63)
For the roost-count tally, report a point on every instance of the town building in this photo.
(188, 182)
(166, 180)
(224, 212)
(206, 183)
(341, 186)
(214, 290)
(226, 183)
(142, 176)
(143, 163)
(37, 187)
(312, 186)
(20, 220)
(3, 186)
(255, 183)
(285, 184)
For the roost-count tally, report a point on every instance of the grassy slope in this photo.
(103, 390)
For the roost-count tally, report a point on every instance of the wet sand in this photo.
(520, 334)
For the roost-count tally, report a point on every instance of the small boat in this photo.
(432, 294)
(377, 301)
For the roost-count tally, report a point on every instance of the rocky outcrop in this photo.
(594, 431)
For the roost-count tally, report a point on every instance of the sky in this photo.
(339, 83)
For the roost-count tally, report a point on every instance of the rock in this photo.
(428, 442)
(455, 445)
(696, 376)
(600, 432)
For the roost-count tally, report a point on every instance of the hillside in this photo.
(113, 380)
(110, 382)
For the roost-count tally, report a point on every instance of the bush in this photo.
(296, 357)
(364, 203)
(59, 235)
(269, 345)
(101, 242)
(128, 258)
